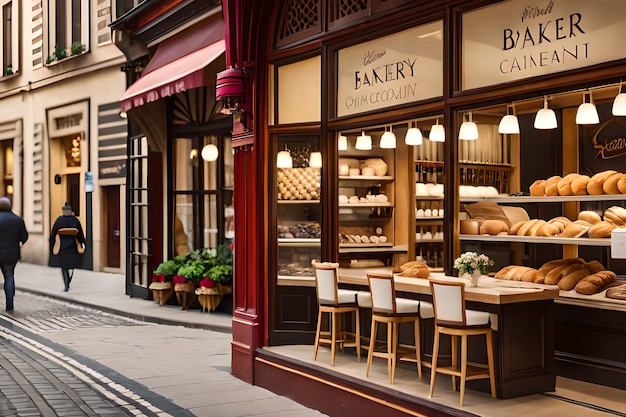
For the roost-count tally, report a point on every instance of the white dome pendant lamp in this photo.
(437, 133)
(413, 135)
(509, 125)
(388, 140)
(545, 118)
(587, 114)
(619, 104)
(468, 130)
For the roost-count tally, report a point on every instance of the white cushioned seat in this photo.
(476, 318)
(364, 299)
(346, 296)
(406, 305)
(427, 311)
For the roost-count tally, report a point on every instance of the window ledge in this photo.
(58, 61)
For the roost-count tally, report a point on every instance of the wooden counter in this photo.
(522, 315)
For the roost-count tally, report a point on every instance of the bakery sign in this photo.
(609, 141)
(518, 39)
(397, 69)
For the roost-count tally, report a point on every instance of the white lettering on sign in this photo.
(514, 40)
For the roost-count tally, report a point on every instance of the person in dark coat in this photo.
(68, 257)
(14, 235)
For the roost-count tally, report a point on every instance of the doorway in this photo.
(112, 233)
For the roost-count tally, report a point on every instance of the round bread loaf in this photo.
(596, 183)
(410, 264)
(565, 184)
(610, 184)
(621, 184)
(525, 228)
(579, 185)
(552, 185)
(589, 216)
(493, 227)
(470, 226)
(615, 215)
(595, 283)
(415, 272)
(538, 188)
(601, 230)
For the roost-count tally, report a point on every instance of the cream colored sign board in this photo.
(519, 39)
(401, 68)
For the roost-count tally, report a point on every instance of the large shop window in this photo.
(203, 192)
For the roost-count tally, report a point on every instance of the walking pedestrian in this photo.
(14, 235)
(70, 246)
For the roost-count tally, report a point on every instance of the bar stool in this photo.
(453, 319)
(386, 308)
(335, 302)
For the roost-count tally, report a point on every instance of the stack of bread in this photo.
(414, 269)
(572, 273)
(588, 223)
(605, 182)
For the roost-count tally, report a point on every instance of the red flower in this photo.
(158, 278)
(231, 246)
(179, 279)
(207, 282)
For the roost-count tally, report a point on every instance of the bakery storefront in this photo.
(396, 133)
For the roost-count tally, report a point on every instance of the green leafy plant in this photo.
(222, 273)
(59, 53)
(170, 268)
(49, 59)
(193, 270)
(9, 70)
(77, 48)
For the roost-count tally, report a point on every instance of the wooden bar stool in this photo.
(386, 308)
(453, 319)
(335, 302)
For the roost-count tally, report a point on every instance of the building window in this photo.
(69, 29)
(9, 37)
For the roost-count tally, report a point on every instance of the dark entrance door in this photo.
(112, 225)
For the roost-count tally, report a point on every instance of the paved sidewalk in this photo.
(105, 291)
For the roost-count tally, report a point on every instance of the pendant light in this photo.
(545, 118)
(413, 135)
(210, 152)
(363, 142)
(388, 140)
(587, 114)
(619, 104)
(509, 124)
(283, 159)
(315, 160)
(468, 130)
(437, 133)
(342, 143)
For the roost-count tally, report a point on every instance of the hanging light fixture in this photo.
(545, 118)
(509, 123)
(413, 135)
(388, 140)
(283, 159)
(619, 104)
(437, 132)
(468, 130)
(315, 160)
(342, 143)
(587, 114)
(363, 142)
(210, 152)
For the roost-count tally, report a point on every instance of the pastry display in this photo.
(298, 183)
(300, 231)
(603, 183)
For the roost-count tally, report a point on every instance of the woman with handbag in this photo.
(67, 244)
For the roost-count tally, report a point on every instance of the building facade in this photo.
(63, 139)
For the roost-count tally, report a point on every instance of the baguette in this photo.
(532, 231)
(532, 275)
(574, 230)
(570, 265)
(548, 230)
(621, 185)
(411, 264)
(596, 183)
(569, 281)
(524, 229)
(595, 283)
(415, 272)
(502, 272)
(515, 228)
(595, 266)
(550, 265)
(519, 273)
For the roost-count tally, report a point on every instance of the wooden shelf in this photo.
(365, 178)
(539, 239)
(298, 201)
(298, 242)
(546, 199)
(365, 205)
(429, 197)
(399, 248)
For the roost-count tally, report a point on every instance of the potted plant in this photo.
(77, 48)
(189, 275)
(161, 286)
(219, 276)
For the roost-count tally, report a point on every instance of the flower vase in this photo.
(474, 276)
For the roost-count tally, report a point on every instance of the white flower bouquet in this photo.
(469, 262)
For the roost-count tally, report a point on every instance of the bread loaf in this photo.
(415, 272)
(538, 188)
(410, 264)
(550, 265)
(596, 183)
(568, 266)
(524, 229)
(615, 215)
(610, 184)
(601, 230)
(502, 272)
(595, 283)
(569, 281)
(565, 184)
(595, 266)
(548, 230)
(617, 293)
(579, 185)
(493, 227)
(621, 184)
(515, 228)
(532, 275)
(519, 273)
(589, 216)
(551, 185)
(574, 230)
(535, 227)
(470, 226)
